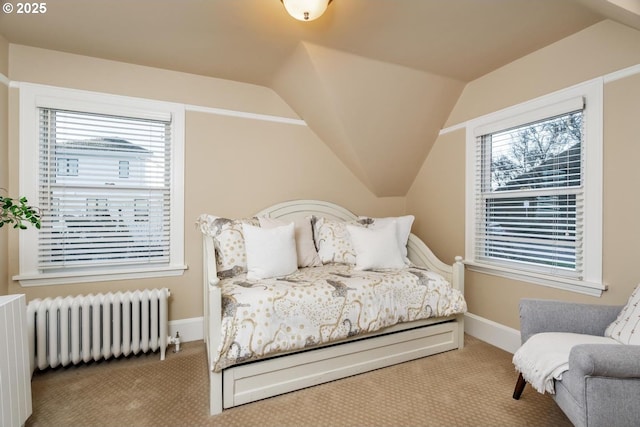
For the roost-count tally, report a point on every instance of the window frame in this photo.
(539, 108)
(34, 96)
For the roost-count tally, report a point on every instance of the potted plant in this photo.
(18, 212)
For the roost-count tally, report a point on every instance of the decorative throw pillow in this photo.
(333, 241)
(626, 328)
(305, 247)
(404, 224)
(377, 248)
(271, 252)
(228, 240)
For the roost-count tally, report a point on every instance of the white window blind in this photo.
(104, 190)
(529, 191)
(534, 190)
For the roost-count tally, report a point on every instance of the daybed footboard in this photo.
(284, 373)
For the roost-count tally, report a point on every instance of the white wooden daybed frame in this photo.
(245, 383)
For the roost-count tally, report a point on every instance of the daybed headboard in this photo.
(302, 208)
(417, 251)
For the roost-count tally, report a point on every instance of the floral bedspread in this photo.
(324, 304)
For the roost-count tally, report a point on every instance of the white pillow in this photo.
(625, 329)
(305, 247)
(271, 252)
(404, 224)
(376, 248)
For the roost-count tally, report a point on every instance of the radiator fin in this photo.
(73, 330)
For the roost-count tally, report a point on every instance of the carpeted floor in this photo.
(470, 387)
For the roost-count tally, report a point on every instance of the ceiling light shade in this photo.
(306, 10)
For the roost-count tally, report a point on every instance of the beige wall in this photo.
(234, 166)
(600, 49)
(604, 48)
(436, 198)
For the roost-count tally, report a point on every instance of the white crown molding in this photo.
(607, 78)
(621, 74)
(245, 115)
(452, 128)
(195, 108)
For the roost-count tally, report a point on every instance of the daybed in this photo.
(259, 356)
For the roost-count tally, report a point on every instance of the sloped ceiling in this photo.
(374, 79)
(379, 118)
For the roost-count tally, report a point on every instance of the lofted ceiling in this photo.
(374, 79)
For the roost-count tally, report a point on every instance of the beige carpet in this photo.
(470, 387)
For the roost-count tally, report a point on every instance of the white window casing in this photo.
(585, 274)
(116, 210)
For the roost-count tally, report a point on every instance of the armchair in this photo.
(602, 385)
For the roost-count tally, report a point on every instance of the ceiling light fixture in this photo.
(306, 10)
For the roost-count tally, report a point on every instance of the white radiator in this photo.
(15, 377)
(93, 327)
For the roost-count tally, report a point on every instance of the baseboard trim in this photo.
(496, 334)
(190, 329)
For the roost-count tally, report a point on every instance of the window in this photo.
(123, 169)
(534, 191)
(68, 167)
(109, 186)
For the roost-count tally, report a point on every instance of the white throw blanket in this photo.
(545, 357)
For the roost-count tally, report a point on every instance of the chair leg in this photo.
(517, 392)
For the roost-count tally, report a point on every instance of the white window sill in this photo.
(572, 285)
(47, 279)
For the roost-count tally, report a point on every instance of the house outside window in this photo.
(68, 167)
(125, 150)
(534, 201)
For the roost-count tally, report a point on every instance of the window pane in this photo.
(538, 230)
(545, 154)
(530, 194)
(104, 188)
